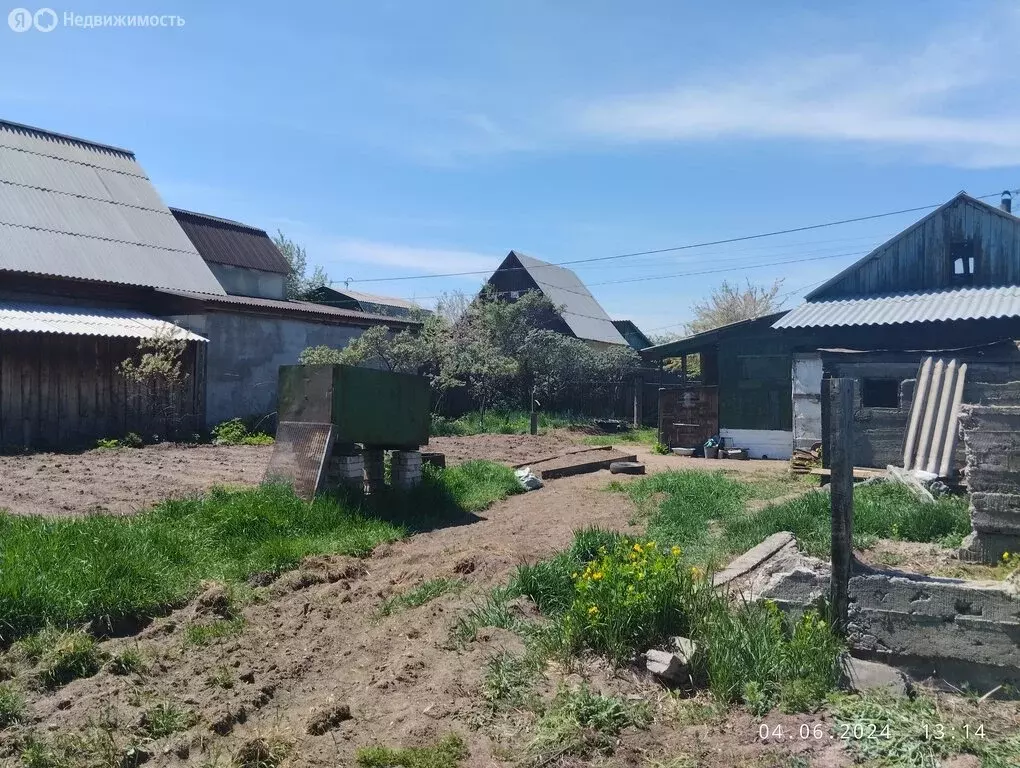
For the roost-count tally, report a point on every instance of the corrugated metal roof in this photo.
(222, 241)
(934, 306)
(306, 308)
(389, 301)
(30, 317)
(581, 312)
(72, 208)
(709, 338)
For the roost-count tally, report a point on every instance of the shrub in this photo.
(631, 597)
(661, 449)
(236, 432)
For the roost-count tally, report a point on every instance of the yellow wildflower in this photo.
(1005, 557)
(675, 551)
(593, 610)
(597, 575)
(637, 547)
(650, 545)
(573, 575)
(696, 572)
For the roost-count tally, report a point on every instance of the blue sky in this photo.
(406, 138)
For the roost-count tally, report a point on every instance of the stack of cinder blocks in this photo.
(346, 470)
(991, 436)
(405, 469)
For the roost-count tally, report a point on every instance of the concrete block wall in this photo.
(991, 436)
(405, 469)
(346, 471)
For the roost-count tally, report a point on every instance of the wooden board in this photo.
(860, 473)
(300, 455)
(556, 456)
(578, 465)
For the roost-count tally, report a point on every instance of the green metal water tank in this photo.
(376, 408)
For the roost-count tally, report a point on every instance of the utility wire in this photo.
(676, 248)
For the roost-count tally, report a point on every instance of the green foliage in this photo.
(12, 705)
(661, 449)
(731, 304)
(236, 432)
(448, 753)
(580, 722)
(221, 677)
(498, 422)
(130, 440)
(618, 596)
(298, 282)
(630, 597)
(69, 571)
(60, 656)
(423, 593)
(509, 680)
(166, 718)
(127, 662)
(757, 656)
(474, 485)
(204, 633)
(263, 752)
(705, 514)
(918, 733)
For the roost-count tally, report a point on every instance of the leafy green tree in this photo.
(298, 281)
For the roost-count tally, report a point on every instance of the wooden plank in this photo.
(860, 473)
(839, 395)
(564, 454)
(583, 466)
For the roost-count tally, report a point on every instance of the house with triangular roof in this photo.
(578, 312)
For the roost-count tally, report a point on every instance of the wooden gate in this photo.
(688, 416)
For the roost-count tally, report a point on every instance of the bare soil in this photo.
(314, 643)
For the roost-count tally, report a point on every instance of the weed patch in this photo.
(918, 733)
(166, 718)
(448, 753)
(263, 752)
(581, 723)
(12, 705)
(60, 656)
(236, 432)
(204, 633)
(423, 593)
(499, 423)
(127, 662)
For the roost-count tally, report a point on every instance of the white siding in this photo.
(760, 443)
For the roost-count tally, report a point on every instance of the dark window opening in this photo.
(880, 393)
(964, 263)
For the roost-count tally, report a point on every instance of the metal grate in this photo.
(300, 456)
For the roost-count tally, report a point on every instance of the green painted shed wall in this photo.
(754, 382)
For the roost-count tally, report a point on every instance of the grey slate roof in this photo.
(927, 307)
(305, 309)
(580, 311)
(72, 208)
(222, 241)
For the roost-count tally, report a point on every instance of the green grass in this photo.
(705, 513)
(648, 436)
(60, 656)
(127, 662)
(580, 723)
(166, 718)
(423, 593)
(72, 571)
(447, 753)
(920, 733)
(500, 423)
(12, 705)
(206, 632)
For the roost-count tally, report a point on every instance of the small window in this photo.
(880, 393)
(961, 253)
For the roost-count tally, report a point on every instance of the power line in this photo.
(673, 249)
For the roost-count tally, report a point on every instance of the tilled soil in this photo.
(125, 480)
(314, 649)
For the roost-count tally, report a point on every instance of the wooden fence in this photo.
(63, 392)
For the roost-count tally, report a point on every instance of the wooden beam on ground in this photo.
(583, 464)
(562, 454)
(838, 395)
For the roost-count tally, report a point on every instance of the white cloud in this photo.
(347, 255)
(928, 100)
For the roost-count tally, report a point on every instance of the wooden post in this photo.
(683, 368)
(839, 399)
(639, 397)
(534, 414)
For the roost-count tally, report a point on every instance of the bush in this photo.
(631, 597)
(130, 440)
(661, 449)
(236, 432)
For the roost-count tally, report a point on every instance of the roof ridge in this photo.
(128, 156)
(217, 219)
(53, 135)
